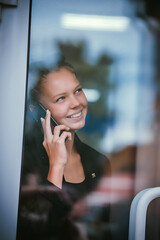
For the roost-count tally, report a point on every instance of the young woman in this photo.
(62, 95)
(70, 161)
(69, 167)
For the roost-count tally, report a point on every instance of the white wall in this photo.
(13, 60)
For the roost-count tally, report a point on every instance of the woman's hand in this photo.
(55, 147)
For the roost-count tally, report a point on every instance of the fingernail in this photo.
(42, 119)
(47, 111)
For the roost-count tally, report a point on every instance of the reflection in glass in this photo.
(115, 64)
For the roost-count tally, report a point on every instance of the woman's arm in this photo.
(55, 175)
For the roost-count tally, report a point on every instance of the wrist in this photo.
(55, 175)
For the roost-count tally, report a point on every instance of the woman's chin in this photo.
(77, 126)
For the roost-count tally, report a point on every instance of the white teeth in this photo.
(76, 115)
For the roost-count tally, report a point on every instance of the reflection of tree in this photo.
(92, 76)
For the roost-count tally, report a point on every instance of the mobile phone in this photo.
(39, 111)
(44, 111)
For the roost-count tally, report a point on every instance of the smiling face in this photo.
(64, 97)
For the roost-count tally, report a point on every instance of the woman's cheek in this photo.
(55, 113)
(85, 101)
(58, 112)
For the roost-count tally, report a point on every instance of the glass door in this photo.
(113, 48)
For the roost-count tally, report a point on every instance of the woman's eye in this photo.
(60, 99)
(79, 90)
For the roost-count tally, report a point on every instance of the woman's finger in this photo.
(57, 130)
(47, 126)
(64, 136)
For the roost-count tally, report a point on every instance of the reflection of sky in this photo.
(124, 47)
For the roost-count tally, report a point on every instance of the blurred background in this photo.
(114, 48)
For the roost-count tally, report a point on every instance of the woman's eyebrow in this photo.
(79, 85)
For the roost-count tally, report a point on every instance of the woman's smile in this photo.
(75, 115)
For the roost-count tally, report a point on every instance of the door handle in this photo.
(138, 211)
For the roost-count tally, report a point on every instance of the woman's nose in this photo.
(74, 102)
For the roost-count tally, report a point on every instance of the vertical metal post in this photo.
(13, 71)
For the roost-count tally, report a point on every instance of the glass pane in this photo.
(113, 51)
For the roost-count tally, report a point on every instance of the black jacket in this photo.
(44, 209)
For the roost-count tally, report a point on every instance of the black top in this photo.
(93, 164)
(35, 161)
(46, 199)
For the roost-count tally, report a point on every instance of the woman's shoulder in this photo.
(86, 149)
(92, 158)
